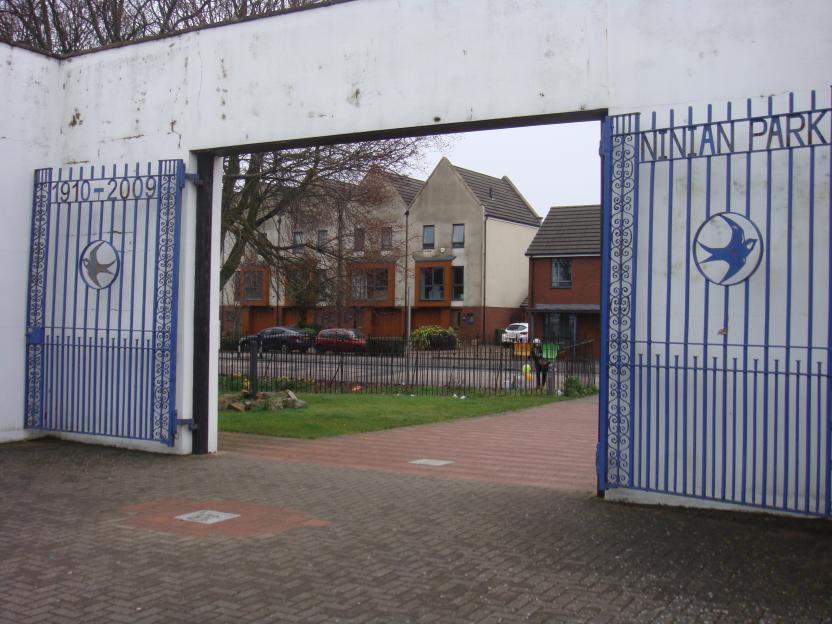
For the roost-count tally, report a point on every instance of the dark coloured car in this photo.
(281, 339)
(340, 341)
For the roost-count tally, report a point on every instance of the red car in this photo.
(340, 340)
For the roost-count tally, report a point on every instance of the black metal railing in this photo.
(392, 366)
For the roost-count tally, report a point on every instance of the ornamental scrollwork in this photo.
(39, 252)
(620, 301)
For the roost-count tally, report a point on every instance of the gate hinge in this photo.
(189, 422)
(193, 178)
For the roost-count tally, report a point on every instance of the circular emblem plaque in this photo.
(99, 264)
(727, 248)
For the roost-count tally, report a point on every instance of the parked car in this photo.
(340, 340)
(281, 339)
(516, 332)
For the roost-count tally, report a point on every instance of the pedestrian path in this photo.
(550, 446)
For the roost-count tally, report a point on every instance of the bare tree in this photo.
(67, 26)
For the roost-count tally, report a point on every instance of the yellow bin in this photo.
(522, 349)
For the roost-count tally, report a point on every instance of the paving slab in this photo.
(376, 546)
(547, 446)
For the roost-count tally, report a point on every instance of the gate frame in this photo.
(615, 444)
(162, 366)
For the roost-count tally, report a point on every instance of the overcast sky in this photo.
(555, 165)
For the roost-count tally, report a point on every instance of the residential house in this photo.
(341, 264)
(448, 251)
(565, 276)
(468, 269)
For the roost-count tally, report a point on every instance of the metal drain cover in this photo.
(207, 516)
(432, 462)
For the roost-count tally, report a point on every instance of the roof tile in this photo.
(569, 230)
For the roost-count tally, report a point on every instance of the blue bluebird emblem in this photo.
(99, 272)
(740, 254)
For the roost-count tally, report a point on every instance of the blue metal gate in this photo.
(717, 282)
(101, 335)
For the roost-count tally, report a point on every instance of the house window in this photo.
(427, 236)
(297, 241)
(561, 273)
(322, 238)
(253, 285)
(432, 284)
(369, 284)
(458, 238)
(358, 239)
(386, 238)
(324, 283)
(459, 283)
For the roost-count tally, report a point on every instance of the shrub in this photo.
(573, 388)
(433, 338)
(385, 346)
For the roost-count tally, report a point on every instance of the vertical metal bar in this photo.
(754, 436)
(667, 315)
(658, 393)
(776, 426)
(828, 472)
(767, 330)
(688, 202)
(819, 461)
(706, 461)
(747, 295)
(603, 403)
(810, 317)
(726, 317)
(650, 239)
(713, 426)
(676, 432)
(74, 373)
(122, 406)
(797, 434)
(788, 363)
(695, 422)
(734, 411)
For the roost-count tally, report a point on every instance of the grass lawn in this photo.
(329, 415)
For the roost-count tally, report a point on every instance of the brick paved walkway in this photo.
(549, 446)
(376, 546)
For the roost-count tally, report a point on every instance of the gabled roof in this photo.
(407, 187)
(569, 231)
(499, 197)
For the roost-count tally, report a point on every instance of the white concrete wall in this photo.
(27, 140)
(374, 65)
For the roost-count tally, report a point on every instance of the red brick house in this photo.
(564, 302)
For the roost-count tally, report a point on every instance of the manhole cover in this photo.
(207, 516)
(432, 462)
